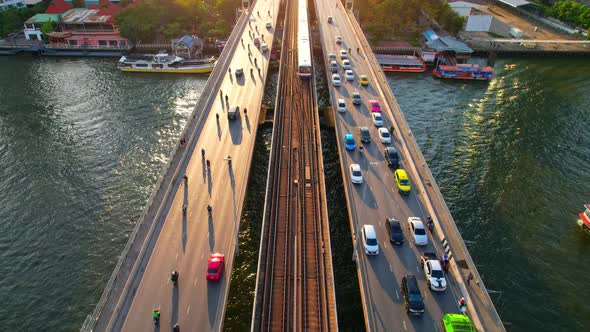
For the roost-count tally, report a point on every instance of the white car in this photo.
(370, 242)
(418, 232)
(336, 80)
(343, 54)
(384, 135)
(268, 25)
(334, 66)
(435, 277)
(332, 57)
(355, 173)
(264, 47)
(349, 75)
(346, 64)
(341, 105)
(338, 40)
(377, 119)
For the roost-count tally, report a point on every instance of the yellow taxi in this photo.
(401, 181)
(364, 80)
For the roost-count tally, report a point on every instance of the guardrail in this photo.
(161, 193)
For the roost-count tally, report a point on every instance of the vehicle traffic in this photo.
(417, 230)
(349, 142)
(433, 272)
(401, 181)
(396, 235)
(412, 296)
(370, 240)
(384, 135)
(356, 176)
(215, 266)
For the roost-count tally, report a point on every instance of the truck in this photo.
(433, 272)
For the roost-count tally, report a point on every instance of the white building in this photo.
(464, 8)
(7, 4)
(487, 23)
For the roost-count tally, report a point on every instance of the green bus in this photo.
(457, 323)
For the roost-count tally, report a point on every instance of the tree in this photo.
(46, 28)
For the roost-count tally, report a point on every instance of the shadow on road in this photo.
(204, 168)
(213, 289)
(211, 233)
(175, 294)
(209, 182)
(218, 129)
(235, 129)
(247, 123)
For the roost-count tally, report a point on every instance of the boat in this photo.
(164, 63)
(400, 63)
(464, 71)
(584, 221)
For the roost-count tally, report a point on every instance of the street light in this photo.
(366, 184)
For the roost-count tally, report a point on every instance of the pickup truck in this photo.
(433, 272)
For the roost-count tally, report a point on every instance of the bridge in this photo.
(299, 277)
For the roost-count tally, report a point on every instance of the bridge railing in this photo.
(145, 227)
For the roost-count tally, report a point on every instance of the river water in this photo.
(82, 145)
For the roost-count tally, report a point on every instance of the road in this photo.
(377, 198)
(184, 243)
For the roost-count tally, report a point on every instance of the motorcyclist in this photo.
(245, 111)
(430, 223)
(358, 50)
(445, 262)
(209, 209)
(174, 277)
(156, 315)
(185, 178)
(203, 152)
(229, 160)
(217, 116)
(208, 164)
(184, 210)
(176, 328)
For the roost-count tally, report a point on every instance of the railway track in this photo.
(295, 295)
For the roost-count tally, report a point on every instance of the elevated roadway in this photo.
(377, 198)
(165, 240)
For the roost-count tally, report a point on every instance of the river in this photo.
(82, 146)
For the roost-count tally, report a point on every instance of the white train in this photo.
(303, 42)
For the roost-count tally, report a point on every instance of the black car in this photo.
(392, 156)
(412, 296)
(396, 235)
(365, 135)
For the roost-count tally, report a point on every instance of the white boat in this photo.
(164, 63)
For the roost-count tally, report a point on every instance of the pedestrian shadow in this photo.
(253, 77)
(204, 168)
(211, 233)
(247, 122)
(184, 217)
(218, 129)
(209, 182)
(221, 100)
(175, 295)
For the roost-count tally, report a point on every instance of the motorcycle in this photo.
(174, 278)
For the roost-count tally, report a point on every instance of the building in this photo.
(487, 23)
(90, 28)
(188, 47)
(9, 4)
(464, 9)
(33, 25)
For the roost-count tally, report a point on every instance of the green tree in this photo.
(46, 28)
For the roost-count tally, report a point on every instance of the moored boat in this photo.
(164, 63)
(464, 71)
(400, 63)
(584, 221)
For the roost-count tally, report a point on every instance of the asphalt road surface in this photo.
(185, 243)
(377, 199)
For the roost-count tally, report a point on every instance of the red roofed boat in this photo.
(400, 63)
(584, 221)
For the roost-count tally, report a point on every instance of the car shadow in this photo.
(350, 121)
(241, 80)
(366, 195)
(253, 77)
(213, 289)
(211, 232)
(235, 129)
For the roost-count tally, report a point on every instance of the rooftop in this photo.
(398, 59)
(519, 3)
(84, 16)
(42, 18)
(449, 44)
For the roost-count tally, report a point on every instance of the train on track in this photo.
(303, 42)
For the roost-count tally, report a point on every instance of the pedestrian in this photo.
(358, 50)
(245, 112)
(256, 61)
(220, 93)
(469, 278)
(226, 98)
(391, 130)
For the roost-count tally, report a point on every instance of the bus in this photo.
(303, 42)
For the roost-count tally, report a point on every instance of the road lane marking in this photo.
(405, 327)
(390, 268)
(397, 294)
(188, 310)
(177, 255)
(195, 283)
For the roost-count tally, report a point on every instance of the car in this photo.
(239, 72)
(377, 119)
(356, 176)
(338, 40)
(332, 57)
(433, 272)
(401, 181)
(418, 232)
(330, 19)
(233, 112)
(264, 47)
(349, 75)
(412, 297)
(392, 156)
(268, 25)
(336, 79)
(341, 105)
(334, 66)
(365, 134)
(349, 142)
(356, 98)
(370, 242)
(343, 54)
(396, 235)
(375, 106)
(364, 80)
(215, 266)
(346, 64)
(384, 135)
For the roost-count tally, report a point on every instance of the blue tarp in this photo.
(430, 35)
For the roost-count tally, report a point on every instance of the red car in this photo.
(375, 107)
(215, 266)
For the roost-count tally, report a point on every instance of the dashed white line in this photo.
(397, 294)
(405, 327)
(390, 268)
(188, 310)
(195, 283)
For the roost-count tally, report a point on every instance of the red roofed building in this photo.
(58, 7)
